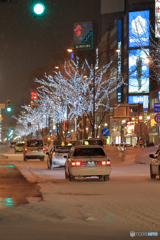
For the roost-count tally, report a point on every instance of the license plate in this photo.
(90, 163)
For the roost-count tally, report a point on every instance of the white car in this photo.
(87, 161)
(155, 164)
(57, 156)
(34, 149)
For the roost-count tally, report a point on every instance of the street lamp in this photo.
(70, 50)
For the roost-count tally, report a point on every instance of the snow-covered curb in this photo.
(143, 155)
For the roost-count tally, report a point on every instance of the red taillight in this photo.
(77, 164)
(25, 150)
(43, 150)
(103, 163)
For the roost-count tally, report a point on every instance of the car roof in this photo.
(88, 146)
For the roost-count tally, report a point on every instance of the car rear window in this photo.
(93, 142)
(60, 149)
(20, 144)
(34, 143)
(88, 152)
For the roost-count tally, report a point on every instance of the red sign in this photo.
(33, 95)
(157, 118)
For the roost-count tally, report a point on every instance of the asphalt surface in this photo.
(14, 188)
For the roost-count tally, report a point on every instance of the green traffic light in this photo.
(39, 8)
(9, 109)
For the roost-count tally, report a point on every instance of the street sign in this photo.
(141, 128)
(105, 132)
(157, 107)
(157, 118)
(68, 135)
(2, 105)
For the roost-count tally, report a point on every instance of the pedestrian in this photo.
(141, 143)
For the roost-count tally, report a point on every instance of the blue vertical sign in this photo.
(119, 62)
(139, 28)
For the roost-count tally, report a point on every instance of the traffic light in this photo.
(39, 7)
(8, 107)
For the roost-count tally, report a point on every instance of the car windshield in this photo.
(61, 149)
(88, 152)
(34, 143)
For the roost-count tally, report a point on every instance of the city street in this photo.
(84, 209)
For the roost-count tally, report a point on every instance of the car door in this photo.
(156, 163)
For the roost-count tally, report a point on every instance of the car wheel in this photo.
(48, 164)
(106, 178)
(153, 176)
(51, 167)
(71, 178)
(66, 175)
(25, 159)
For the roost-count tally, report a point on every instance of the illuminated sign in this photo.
(130, 127)
(139, 29)
(138, 71)
(157, 18)
(135, 99)
(83, 35)
(33, 95)
(119, 62)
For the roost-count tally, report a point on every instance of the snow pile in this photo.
(143, 155)
(111, 151)
(129, 154)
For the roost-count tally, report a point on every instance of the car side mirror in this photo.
(151, 156)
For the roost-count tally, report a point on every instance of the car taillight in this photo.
(25, 150)
(104, 163)
(43, 150)
(77, 164)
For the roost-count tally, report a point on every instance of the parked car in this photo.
(34, 149)
(46, 147)
(13, 144)
(155, 164)
(122, 146)
(87, 161)
(19, 147)
(57, 156)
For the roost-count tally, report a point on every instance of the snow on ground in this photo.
(143, 156)
(106, 210)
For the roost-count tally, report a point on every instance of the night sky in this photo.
(29, 43)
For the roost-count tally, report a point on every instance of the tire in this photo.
(66, 175)
(48, 166)
(72, 179)
(106, 178)
(51, 167)
(25, 159)
(153, 176)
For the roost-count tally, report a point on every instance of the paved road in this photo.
(88, 209)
